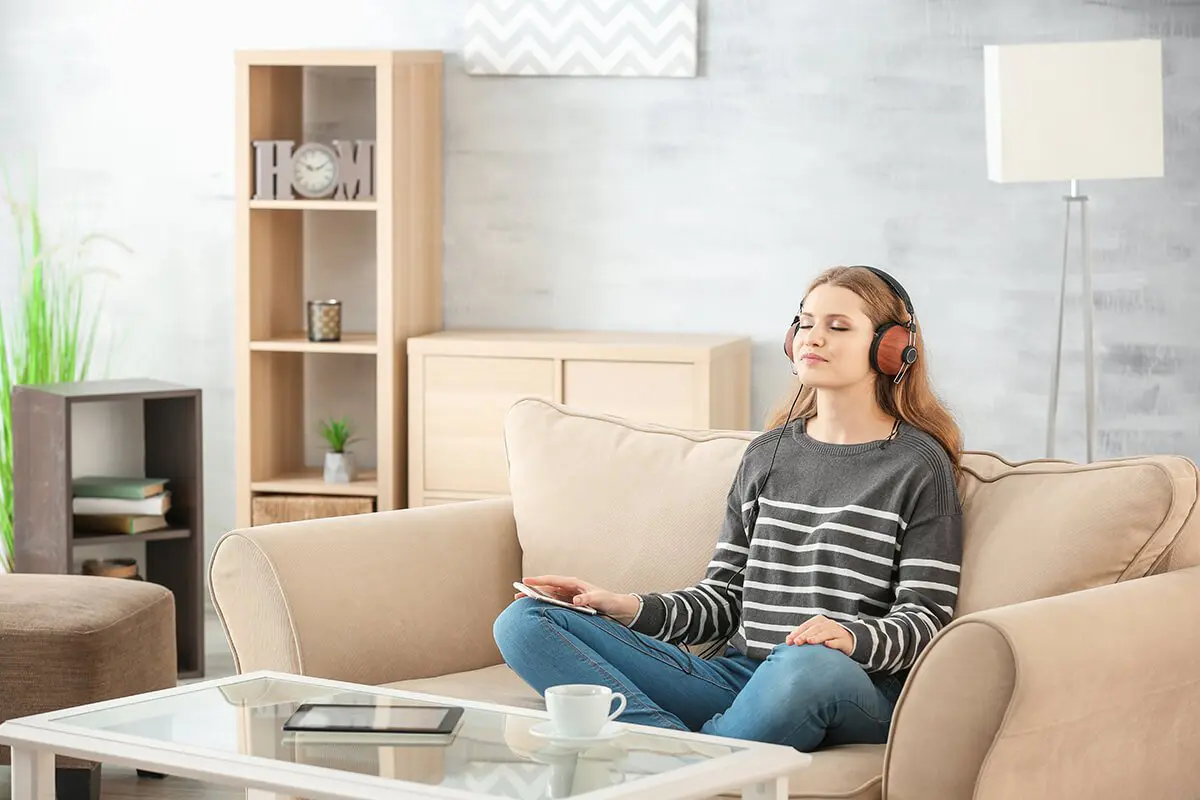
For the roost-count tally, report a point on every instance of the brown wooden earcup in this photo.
(891, 349)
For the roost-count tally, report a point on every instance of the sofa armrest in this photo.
(369, 598)
(1092, 694)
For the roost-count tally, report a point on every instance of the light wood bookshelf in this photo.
(382, 256)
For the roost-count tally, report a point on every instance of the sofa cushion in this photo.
(849, 772)
(1042, 528)
(498, 684)
(627, 506)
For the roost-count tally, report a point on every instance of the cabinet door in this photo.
(661, 393)
(466, 398)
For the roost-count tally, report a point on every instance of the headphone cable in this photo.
(754, 510)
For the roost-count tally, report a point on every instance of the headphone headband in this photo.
(894, 285)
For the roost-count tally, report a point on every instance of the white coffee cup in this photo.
(581, 709)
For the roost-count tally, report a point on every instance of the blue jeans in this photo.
(807, 696)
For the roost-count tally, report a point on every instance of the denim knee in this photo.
(812, 674)
(513, 623)
(800, 694)
(809, 657)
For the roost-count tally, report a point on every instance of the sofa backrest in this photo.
(630, 507)
(638, 507)
(1047, 527)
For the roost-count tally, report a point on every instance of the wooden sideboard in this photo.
(462, 382)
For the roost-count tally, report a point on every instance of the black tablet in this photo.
(353, 718)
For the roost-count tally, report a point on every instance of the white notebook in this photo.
(158, 504)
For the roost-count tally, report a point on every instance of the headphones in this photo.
(894, 347)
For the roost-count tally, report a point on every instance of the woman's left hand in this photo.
(822, 630)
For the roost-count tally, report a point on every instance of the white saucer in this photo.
(545, 730)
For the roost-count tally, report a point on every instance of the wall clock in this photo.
(314, 170)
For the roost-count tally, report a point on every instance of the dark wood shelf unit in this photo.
(43, 524)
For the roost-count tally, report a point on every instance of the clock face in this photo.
(314, 170)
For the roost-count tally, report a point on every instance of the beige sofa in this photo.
(1072, 668)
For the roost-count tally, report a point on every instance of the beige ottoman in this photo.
(67, 640)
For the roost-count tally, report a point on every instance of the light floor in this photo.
(122, 783)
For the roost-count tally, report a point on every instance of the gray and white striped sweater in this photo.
(870, 535)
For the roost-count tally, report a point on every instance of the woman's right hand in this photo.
(622, 607)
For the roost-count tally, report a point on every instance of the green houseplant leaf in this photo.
(337, 433)
(51, 335)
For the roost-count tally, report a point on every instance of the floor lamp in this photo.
(1071, 112)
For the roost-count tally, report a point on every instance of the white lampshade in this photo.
(1074, 111)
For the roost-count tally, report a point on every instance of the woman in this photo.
(837, 563)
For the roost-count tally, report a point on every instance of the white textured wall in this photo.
(818, 133)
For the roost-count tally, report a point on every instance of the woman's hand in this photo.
(621, 607)
(822, 630)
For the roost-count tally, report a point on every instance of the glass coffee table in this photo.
(229, 731)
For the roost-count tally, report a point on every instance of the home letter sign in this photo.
(345, 171)
(356, 168)
(272, 170)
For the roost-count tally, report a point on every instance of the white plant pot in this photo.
(340, 468)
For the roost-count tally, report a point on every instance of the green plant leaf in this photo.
(338, 434)
(50, 338)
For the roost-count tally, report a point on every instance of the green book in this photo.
(117, 486)
(119, 523)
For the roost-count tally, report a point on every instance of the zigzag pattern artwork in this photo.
(623, 38)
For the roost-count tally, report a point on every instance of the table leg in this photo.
(771, 790)
(32, 774)
(263, 794)
(258, 735)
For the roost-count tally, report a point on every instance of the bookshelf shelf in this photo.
(84, 539)
(313, 205)
(44, 535)
(385, 266)
(356, 343)
(309, 481)
(334, 59)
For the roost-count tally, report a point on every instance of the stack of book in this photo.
(119, 504)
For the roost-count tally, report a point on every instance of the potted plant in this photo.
(339, 462)
(48, 338)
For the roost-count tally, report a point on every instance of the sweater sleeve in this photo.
(926, 595)
(710, 610)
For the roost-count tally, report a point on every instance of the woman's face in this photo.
(832, 345)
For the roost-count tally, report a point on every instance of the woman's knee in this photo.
(514, 622)
(818, 654)
(814, 672)
(794, 696)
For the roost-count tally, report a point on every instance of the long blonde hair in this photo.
(912, 400)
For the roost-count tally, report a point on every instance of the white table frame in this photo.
(760, 771)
